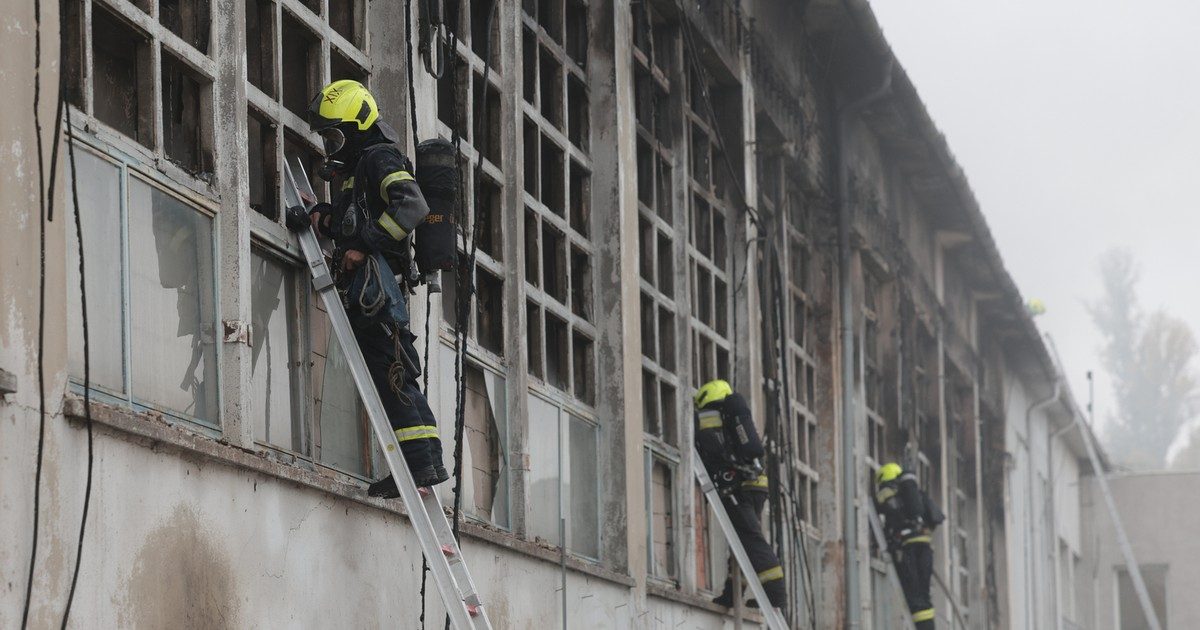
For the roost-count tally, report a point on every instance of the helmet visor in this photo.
(333, 139)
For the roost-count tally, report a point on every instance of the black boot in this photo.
(384, 488)
(726, 597)
(430, 476)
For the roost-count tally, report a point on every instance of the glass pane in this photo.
(275, 351)
(100, 193)
(172, 303)
(543, 470)
(485, 452)
(343, 428)
(582, 488)
(662, 519)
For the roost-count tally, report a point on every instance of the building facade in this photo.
(657, 193)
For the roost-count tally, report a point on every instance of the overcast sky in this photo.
(1078, 124)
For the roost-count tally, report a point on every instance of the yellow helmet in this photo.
(888, 472)
(712, 391)
(344, 101)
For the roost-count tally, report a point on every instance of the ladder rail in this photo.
(438, 548)
(771, 615)
(893, 576)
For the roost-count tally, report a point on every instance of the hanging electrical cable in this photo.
(43, 218)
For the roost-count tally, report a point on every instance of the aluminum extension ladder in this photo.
(446, 563)
(893, 577)
(771, 615)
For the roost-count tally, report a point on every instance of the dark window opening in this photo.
(532, 243)
(553, 184)
(185, 130)
(581, 283)
(121, 61)
(490, 235)
(666, 338)
(577, 31)
(581, 195)
(260, 45)
(340, 67)
(264, 178)
(529, 70)
(649, 347)
(557, 346)
(487, 124)
(550, 87)
(578, 125)
(301, 58)
(490, 306)
(584, 368)
(666, 269)
(531, 148)
(452, 96)
(191, 20)
(533, 339)
(650, 422)
(346, 17)
(554, 263)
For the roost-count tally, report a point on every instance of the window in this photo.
(285, 68)
(277, 353)
(564, 478)
(485, 484)
(1129, 609)
(153, 309)
(558, 246)
(664, 406)
(117, 83)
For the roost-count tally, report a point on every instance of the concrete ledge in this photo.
(8, 382)
(697, 601)
(153, 431)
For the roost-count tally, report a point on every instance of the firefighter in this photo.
(378, 204)
(910, 517)
(730, 448)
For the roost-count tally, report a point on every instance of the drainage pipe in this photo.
(1029, 503)
(846, 113)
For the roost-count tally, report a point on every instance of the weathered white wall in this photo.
(1158, 535)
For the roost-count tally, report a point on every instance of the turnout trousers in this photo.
(914, 564)
(407, 408)
(746, 515)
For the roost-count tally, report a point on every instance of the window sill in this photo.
(661, 591)
(153, 431)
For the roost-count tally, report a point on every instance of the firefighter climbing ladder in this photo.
(893, 577)
(771, 614)
(446, 563)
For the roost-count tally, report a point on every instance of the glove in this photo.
(296, 218)
(324, 213)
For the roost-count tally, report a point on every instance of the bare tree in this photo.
(1150, 359)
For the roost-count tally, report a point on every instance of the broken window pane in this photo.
(99, 183)
(185, 131)
(191, 20)
(345, 443)
(172, 304)
(662, 519)
(121, 63)
(666, 398)
(529, 69)
(260, 45)
(275, 354)
(485, 491)
(487, 123)
(649, 347)
(583, 487)
(550, 16)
